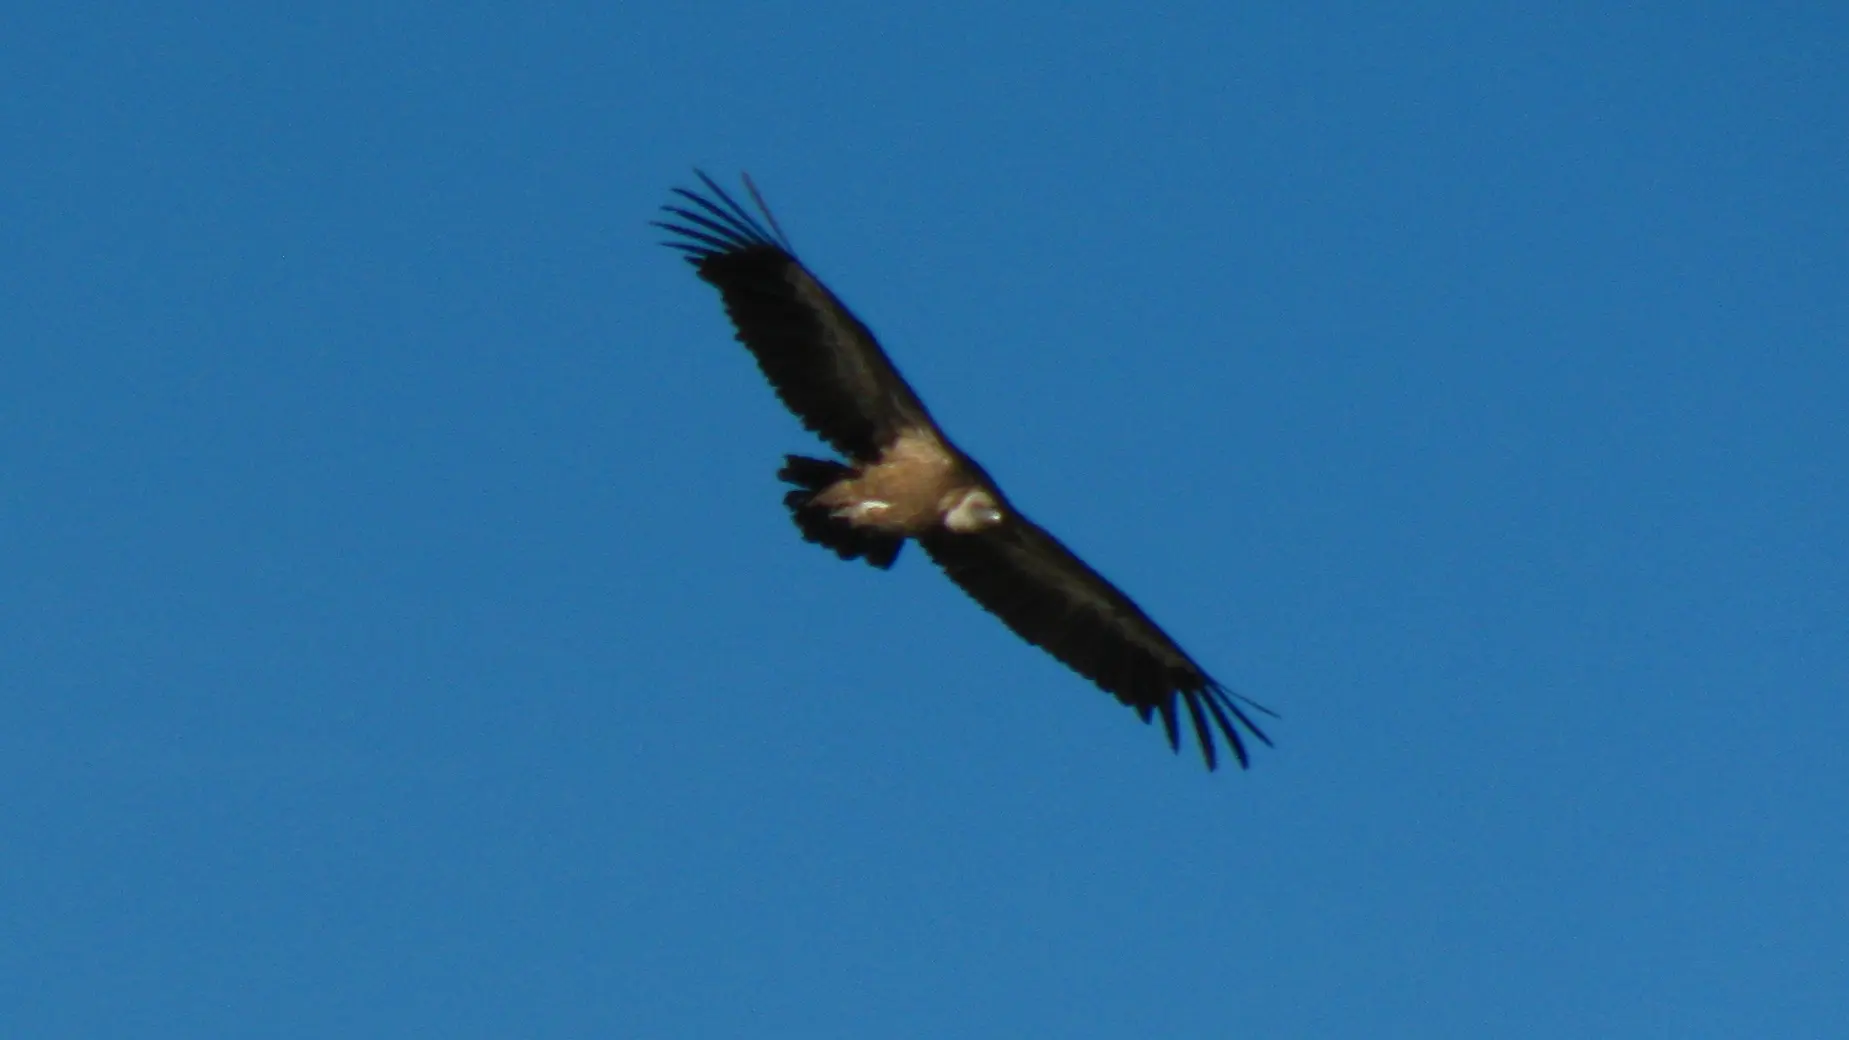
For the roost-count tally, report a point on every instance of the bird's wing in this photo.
(1049, 597)
(823, 363)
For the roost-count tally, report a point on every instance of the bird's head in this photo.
(971, 511)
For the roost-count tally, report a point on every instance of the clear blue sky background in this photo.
(401, 634)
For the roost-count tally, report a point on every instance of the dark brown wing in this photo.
(823, 363)
(1023, 575)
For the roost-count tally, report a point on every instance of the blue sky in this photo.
(403, 635)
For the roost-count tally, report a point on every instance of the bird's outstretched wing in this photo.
(1052, 599)
(824, 364)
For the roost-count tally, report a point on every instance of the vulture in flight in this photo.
(900, 477)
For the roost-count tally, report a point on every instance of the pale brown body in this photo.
(916, 485)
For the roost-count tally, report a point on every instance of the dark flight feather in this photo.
(823, 363)
(1054, 600)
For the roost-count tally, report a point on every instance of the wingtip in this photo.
(716, 224)
(764, 208)
(1222, 706)
(1169, 723)
(1201, 732)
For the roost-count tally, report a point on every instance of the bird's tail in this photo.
(819, 524)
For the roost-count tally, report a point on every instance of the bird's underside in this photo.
(900, 478)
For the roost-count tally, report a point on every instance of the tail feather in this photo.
(819, 525)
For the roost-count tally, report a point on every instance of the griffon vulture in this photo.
(903, 478)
